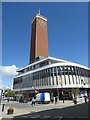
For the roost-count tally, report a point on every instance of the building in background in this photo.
(48, 74)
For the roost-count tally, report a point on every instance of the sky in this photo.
(67, 34)
(45, 0)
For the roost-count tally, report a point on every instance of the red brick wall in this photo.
(39, 39)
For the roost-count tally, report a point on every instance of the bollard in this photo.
(2, 107)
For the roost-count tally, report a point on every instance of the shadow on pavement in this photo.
(79, 111)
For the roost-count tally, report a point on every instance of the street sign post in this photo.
(0, 95)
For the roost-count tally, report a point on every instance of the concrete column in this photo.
(72, 74)
(53, 76)
(57, 76)
(60, 76)
(68, 75)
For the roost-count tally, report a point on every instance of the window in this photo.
(17, 80)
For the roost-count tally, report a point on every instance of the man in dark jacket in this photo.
(55, 99)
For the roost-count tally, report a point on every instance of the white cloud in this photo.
(4, 87)
(0, 83)
(8, 70)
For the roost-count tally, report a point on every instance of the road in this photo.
(60, 110)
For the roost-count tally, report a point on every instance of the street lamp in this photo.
(0, 95)
(33, 87)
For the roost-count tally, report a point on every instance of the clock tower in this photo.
(39, 38)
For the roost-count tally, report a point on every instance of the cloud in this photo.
(5, 86)
(8, 70)
(0, 83)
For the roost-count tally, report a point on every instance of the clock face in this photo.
(41, 22)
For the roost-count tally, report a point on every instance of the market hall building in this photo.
(48, 74)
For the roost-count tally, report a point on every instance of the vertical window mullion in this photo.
(72, 74)
(68, 74)
(57, 75)
(64, 75)
(78, 74)
(75, 74)
(53, 75)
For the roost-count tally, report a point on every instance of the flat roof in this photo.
(53, 65)
(44, 59)
(39, 16)
(60, 63)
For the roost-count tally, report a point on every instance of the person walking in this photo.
(75, 100)
(63, 98)
(52, 99)
(3, 107)
(55, 100)
(85, 98)
(8, 99)
(33, 102)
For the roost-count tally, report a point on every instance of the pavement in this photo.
(67, 109)
(0, 113)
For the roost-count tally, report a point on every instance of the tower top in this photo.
(38, 15)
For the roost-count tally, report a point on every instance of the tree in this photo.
(9, 94)
(75, 91)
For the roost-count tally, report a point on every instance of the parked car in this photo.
(6, 98)
(23, 100)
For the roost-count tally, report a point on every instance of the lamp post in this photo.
(0, 95)
(33, 87)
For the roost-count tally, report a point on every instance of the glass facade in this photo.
(52, 76)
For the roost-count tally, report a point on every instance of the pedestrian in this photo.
(55, 99)
(8, 99)
(85, 98)
(75, 100)
(29, 99)
(33, 102)
(63, 98)
(52, 99)
(2, 107)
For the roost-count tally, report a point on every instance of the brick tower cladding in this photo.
(39, 38)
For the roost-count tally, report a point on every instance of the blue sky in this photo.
(67, 32)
